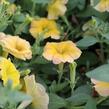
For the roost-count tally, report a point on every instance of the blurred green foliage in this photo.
(88, 28)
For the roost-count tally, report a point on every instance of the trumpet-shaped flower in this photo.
(101, 87)
(102, 6)
(16, 46)
(61, 52)
(46, 27)
(56, 8)
(38, 93)
(9, 72)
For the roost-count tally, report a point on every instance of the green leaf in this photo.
(56, 102)
(17, 96)
(41, 60)
(37, 49)
(57, 87)
(90, 11)
(78, 99)
(19, 17)
(11, 96)
(101, 73)
(87, 41)
(91, 104)
(106, 35)
(76, 3)
(84, 89)
(41, 1)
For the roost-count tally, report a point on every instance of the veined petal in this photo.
(61, 52)
(37, 92)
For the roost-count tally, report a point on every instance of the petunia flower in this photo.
(17, 47)
(101, 87)
(46, 27)
(61, 52)
(39, 96)
(56, 8)
(102, 6)
(9, 72)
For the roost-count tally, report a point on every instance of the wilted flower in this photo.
(40, 98)
(102, 6)
(16, 46)
(61, 52)
(101, 87)
(56, 8)
(9, 72)
(46, 27)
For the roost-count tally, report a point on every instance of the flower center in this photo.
(19, 47)
(46, 29)
(60, 50)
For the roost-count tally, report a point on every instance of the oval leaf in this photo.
(101, 73)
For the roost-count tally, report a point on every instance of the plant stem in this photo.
(64, 18)
(102, 53)
(78, 107)
(33, 9)
(61, 67)
(101, 100)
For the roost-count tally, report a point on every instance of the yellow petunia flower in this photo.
(102, 6)
(61, 52)
(9, 72)
(46, 27)
(37, 92)
(101, 87)
(56, 8)
(17, 47)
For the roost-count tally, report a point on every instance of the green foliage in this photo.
(76, 3)
(87, 41)
(90, 104)
(4, 16)
(10, 97)
(41, 1)
(84, 25)
(57, 87)
(100, 73)
(56, 102)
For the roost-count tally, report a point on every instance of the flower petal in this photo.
(38, 93)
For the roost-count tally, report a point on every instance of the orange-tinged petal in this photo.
(101, 87)
(56, 8)
(46, 27)
(61, 52)
(16, 46)
(107, 5)
(102, 6)
(39, 96)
